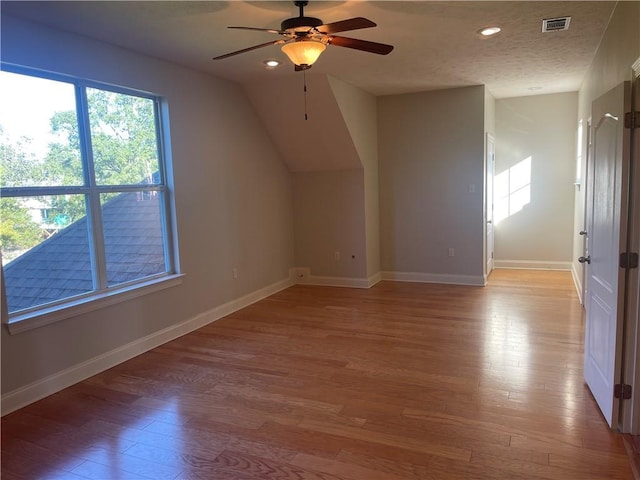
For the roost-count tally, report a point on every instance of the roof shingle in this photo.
(60, 266)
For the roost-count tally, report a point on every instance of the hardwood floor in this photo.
(401, 381)
(632, 446)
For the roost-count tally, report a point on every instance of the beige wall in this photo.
(233, 196)
(333, 155)
(360, 112)
(329, 215)
(543, 129)
(431, 154)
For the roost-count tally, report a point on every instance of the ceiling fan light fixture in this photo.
(303, 52)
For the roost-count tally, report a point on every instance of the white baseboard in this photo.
(577, 281)
(39, 389)
(532, 265)
(474, 280)
(373, 279)
(303, 276)
(336, 281)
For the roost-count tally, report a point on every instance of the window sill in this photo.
(47, 316)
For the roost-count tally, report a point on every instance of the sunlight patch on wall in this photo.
(512, 190)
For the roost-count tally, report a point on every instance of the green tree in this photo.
(124, 148)
(17, 167)
(63, 165)
(18, 232)
(123, 145)
(123, 138)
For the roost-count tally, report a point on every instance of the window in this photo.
(84, 200)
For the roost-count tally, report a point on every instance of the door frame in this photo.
(585, 220)
(489, 223)
(630, 411)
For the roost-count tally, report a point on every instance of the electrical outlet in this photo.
(299, 273)
(235, 273)
(336, 256)
(452, 252)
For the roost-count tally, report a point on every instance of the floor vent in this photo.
(556, 24)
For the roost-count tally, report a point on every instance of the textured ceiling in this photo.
(436, 44)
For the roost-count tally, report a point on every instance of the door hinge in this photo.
(632, 119)
(622, 391)
(629, 260)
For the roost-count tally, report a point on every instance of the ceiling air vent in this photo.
(556, 24)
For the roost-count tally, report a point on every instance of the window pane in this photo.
(39, 142)
(45, 249)
(123, 137)
(134, 241)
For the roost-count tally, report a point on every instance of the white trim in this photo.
(302, 276)
(373, 279)
(474, 280)
(631, 411)
(533, 265)
(69, 309)
(39, 389)
(321, 281)
(576, 282)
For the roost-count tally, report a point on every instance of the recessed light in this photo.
(533, 89)
(488, 31)
(271, 63)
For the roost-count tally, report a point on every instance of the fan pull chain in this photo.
(304, 76)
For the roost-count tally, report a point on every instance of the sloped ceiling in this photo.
(319, 143)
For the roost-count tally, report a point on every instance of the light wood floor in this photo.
(401, 381)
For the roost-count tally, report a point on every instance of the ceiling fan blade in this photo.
(248, 49)
(344, 25)
(270, 30)
(364, 45)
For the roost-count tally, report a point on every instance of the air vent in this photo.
(556, 24)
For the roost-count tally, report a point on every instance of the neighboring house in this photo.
(37, 210)
(60, 266)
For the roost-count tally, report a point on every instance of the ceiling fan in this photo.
(307, 37)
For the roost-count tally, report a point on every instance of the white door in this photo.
(606, 232)
(491, 170)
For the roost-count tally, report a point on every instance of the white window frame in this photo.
(102, 295)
